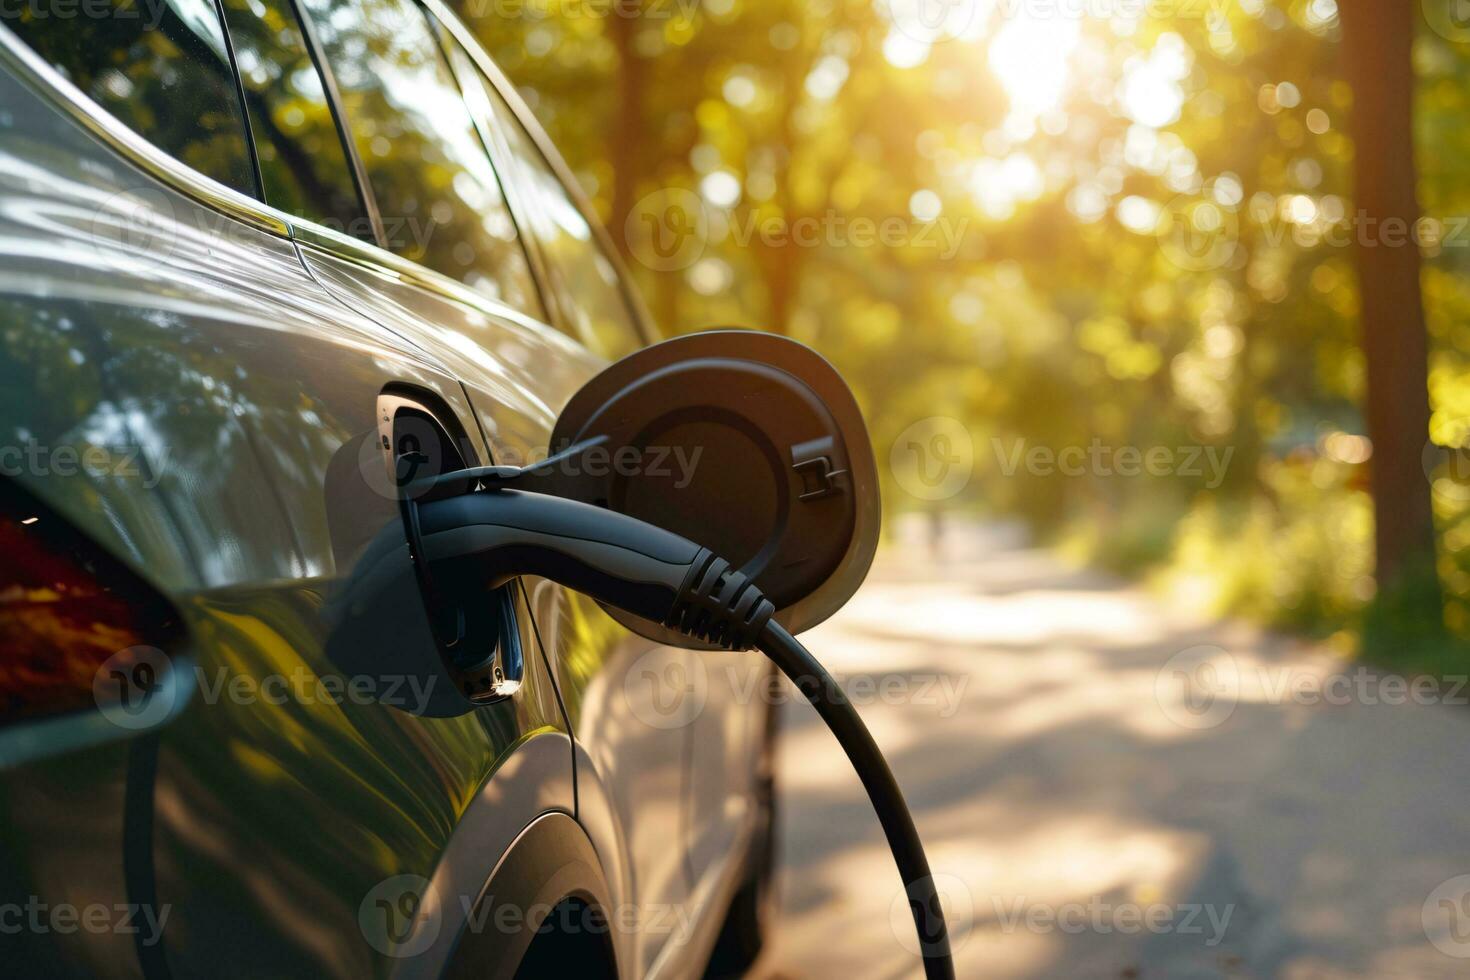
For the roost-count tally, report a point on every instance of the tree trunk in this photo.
(1378, 40)
(626, 131)
(781, 268)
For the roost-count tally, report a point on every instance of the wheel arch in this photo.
(552, 860)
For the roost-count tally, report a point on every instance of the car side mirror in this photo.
(748, 443)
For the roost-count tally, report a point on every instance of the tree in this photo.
(1378, 43)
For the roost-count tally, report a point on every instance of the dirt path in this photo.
(1111, 787)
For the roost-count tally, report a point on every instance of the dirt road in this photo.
(1112, 787)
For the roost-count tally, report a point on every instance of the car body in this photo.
(211, 387)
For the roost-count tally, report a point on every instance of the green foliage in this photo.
(1402, 628)
(1132, 232)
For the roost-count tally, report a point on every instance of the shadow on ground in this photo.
(1109, 786)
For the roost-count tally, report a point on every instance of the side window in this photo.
(297, 141)
(163, 70)
(579, 273)
(440, 199)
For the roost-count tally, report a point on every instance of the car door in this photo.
(697, 704)
(481, 306)
(268, 817)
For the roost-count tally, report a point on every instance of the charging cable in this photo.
(494, 535)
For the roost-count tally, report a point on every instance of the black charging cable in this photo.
(818, 687)
(495, 535)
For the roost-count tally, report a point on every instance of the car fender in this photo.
(551, 860)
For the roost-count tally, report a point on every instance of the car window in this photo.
(440, 199)
(579, 273)
(161, 68)
(303, 165)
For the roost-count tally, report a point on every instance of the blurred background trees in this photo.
(1092, 225)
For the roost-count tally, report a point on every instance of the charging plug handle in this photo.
(496, 535)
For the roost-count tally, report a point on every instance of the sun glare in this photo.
(1150, 91)
(1031, 56)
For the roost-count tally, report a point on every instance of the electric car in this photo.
(258, 260)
